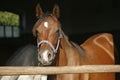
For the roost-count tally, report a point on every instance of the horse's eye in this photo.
(57, 31)
(37, 33)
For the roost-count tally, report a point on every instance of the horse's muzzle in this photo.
(46, 57)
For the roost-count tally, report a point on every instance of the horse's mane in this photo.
(70, 43)
(80, 49)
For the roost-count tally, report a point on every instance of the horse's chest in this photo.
(68, 77)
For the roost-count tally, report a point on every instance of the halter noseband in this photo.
(50, 44)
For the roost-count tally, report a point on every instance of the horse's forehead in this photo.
(47, 23)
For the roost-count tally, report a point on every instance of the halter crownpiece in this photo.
(50, 44)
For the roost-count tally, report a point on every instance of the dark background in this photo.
(78, 16)
(79, 19)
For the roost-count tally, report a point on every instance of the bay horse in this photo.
(54, 47)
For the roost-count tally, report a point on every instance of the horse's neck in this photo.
(68, 54)
(65, 44)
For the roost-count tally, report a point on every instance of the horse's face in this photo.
(47, 31)
(47, 37)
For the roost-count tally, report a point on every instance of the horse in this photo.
(24, 56)
(55, 48)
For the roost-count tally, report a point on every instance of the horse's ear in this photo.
(56, 11)
(39, 12)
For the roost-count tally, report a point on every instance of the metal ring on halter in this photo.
(48, 42)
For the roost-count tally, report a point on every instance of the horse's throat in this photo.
(67, 55)
(61, 59)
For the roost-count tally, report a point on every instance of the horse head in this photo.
(48, 32)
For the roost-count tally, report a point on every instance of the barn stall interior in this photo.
(79, 20)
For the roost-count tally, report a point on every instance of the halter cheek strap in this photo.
(50, 44)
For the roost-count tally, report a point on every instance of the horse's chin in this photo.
(45, 63)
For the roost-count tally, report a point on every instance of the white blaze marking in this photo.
(46, 24)
(45, 55)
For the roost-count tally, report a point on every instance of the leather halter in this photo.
(55, 49)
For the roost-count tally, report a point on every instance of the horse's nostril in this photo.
(49, 55)
(40, 56)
